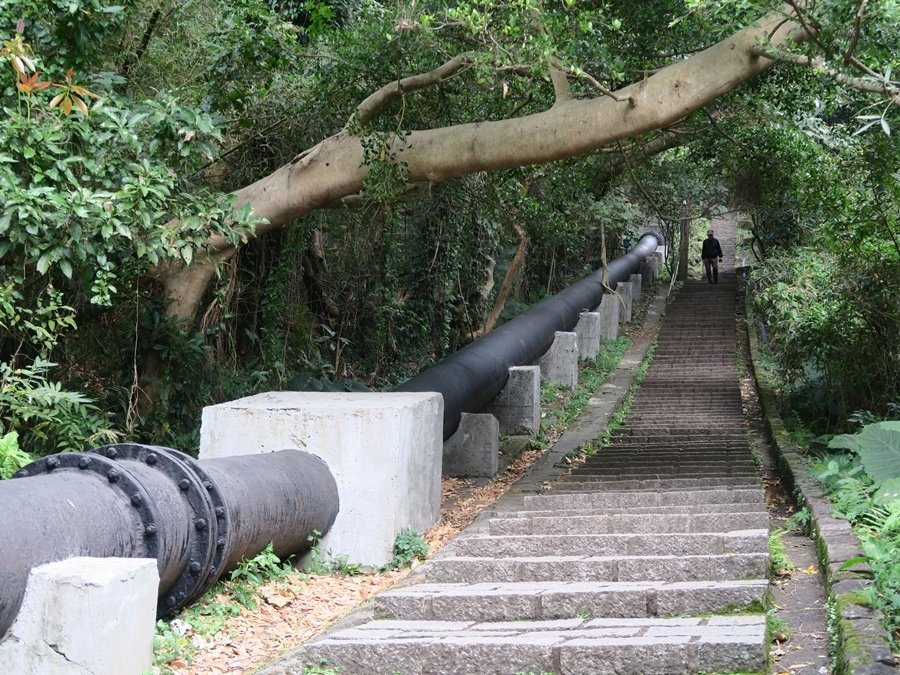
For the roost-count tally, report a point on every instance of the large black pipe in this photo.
(471, 377)
(197, 518)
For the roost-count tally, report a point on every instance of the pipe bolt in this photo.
(52, 462)
(111, 453)
(170, 601)
(221, 542)
(208, 485)
(150, 530)
(220, 512)
(84, 462)
(195, 567)
(200, 524)
(137, 499)
(152, 458)
(113, 476)
(184, 484)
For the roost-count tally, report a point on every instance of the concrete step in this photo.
(598, 473)
(736, 507)
(605, 646)
(673, 523)
(630, 499)
(503, 601)
(515, 546)
(653, 484)
(461, 569)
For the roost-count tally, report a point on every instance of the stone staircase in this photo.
(651, 557)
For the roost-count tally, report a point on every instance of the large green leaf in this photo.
(888, 492)
(879, 450)
(845, 441)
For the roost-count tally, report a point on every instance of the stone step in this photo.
(499, 601)
(653, 484)
(629, 499)
(454, 569)
(600, 473)
(651, 523)
(673, 470)
(736, 507)
(514, 546)
(604, 646)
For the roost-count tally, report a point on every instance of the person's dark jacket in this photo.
(711, 248)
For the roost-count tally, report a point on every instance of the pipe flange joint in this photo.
(111, 473)
(204, 562)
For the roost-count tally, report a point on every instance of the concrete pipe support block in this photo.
(588, 331)
(559, 364)
(383, 449)
(85, 616)
(637, 285)
(474, 448)
(518, 405)
(624, 289)
(609, 309)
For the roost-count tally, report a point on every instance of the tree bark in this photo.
(508, 280)
(334, 168)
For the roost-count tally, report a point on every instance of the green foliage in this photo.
(878, 449)
(779, 562)
(12, 458)
(877, 524)
(408, 546)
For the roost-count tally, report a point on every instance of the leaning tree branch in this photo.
(370, 107)
(818, 65)
(335, 167)
(561, 89)
(860, 10)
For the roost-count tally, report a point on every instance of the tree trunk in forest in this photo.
(334, 168)
(508, 280)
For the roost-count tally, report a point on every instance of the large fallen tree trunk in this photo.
(335, 167)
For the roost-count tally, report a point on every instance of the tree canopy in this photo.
(315, 192)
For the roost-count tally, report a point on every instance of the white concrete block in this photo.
(518, 405)
(85, 616)
(383, 449)
(474, 448)
(610, 308)
(560, 363)
(624, 291)
(636, 287)
(588, 332)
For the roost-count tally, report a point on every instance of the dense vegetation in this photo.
(126, 127)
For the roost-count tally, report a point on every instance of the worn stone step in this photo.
(673, 470)
(500, 601)
(599, 473)
(737, 507)
(603, 646)
(454, 569)
(506, 546)
(673, 523)
(654, 484)
(614, 499)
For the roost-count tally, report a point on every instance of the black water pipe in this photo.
(198, 519)
(470, 378)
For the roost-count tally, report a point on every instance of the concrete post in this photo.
(383, 449)
(588, 332)
(624, 290)
(90, 616)
(648, 271)
(609, 311)
(560, 363)
(474, 448)
(637, 284)
(518, 405)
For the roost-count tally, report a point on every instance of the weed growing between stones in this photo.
(779, 563)
(560, 409)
